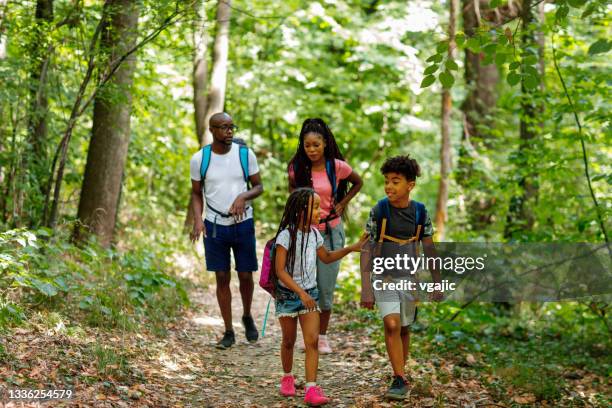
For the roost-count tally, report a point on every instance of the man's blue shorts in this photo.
(240, 238)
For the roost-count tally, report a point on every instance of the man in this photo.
(228, 224)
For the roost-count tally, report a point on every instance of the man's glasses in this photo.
(225, 128)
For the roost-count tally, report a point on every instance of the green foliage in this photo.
(104, 287)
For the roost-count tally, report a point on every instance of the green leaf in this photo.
(490, 48)
(500, 59)
(514, 65)
(442, 47)
(451, 65)
(589, 10)
(529, 70)
(431, 69)
(531, 82)
(447, 80)
(473, 44)
(513, 78)
(530, 60)
(494, 3)
(576, 3)
(44, 287)
(435, 58)
(600, 46)
(427, 81)
(562, 12)
(460, 39)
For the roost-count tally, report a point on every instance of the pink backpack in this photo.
(266, 277)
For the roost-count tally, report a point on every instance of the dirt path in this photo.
(184, 369)
(248, 374)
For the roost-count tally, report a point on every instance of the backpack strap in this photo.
(244, 161)
(382, 212)
(330, 169)
(420, 218)
(206, 152)
(243, 153)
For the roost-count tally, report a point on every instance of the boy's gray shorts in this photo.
(327, 274)
(396, 302)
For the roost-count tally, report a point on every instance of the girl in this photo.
(298, 245)
(318, 163)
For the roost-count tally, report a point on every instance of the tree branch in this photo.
(582, 144)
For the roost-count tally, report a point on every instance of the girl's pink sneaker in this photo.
(314, 397)
(287, 387)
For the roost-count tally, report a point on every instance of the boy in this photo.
(396, 221)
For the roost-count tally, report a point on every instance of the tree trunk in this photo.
(3, 11)
(200, 69)
(445, 150)
(99, 201)
(200, 82)
(33, 167)
(481, 83)
(37, 125)
(3, 121)
(216, 93)
(520, 217)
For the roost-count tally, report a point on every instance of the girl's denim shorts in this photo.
(289, 304)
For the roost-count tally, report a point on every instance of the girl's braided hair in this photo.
(296, 217)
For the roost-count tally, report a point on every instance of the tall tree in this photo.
(108, 147)
(3, 10)
(199, 80)
(3, 134)
(445, 149)
(481, 98)
(40, 51)
(35, 161)
(218, 80)
(520, 217)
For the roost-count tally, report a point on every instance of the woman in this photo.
(319, 164)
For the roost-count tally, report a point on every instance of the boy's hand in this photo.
(367, 305)
(308, 302)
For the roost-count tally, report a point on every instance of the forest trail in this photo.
(182, 367)
(356, 375)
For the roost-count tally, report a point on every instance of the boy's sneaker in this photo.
(314, 397)
(324, 347)
(227, 340)
(398, 389)
(287, 387)
(250, 330)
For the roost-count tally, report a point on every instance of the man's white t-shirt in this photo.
(224, 182)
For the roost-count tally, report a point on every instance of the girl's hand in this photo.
(356, 247)
(308, 302)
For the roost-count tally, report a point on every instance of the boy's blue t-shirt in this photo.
(402, 223)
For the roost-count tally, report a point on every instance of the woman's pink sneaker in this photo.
(287, 387)
(314, 397)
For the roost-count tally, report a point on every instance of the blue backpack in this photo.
(244, 160)
(384, 213)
